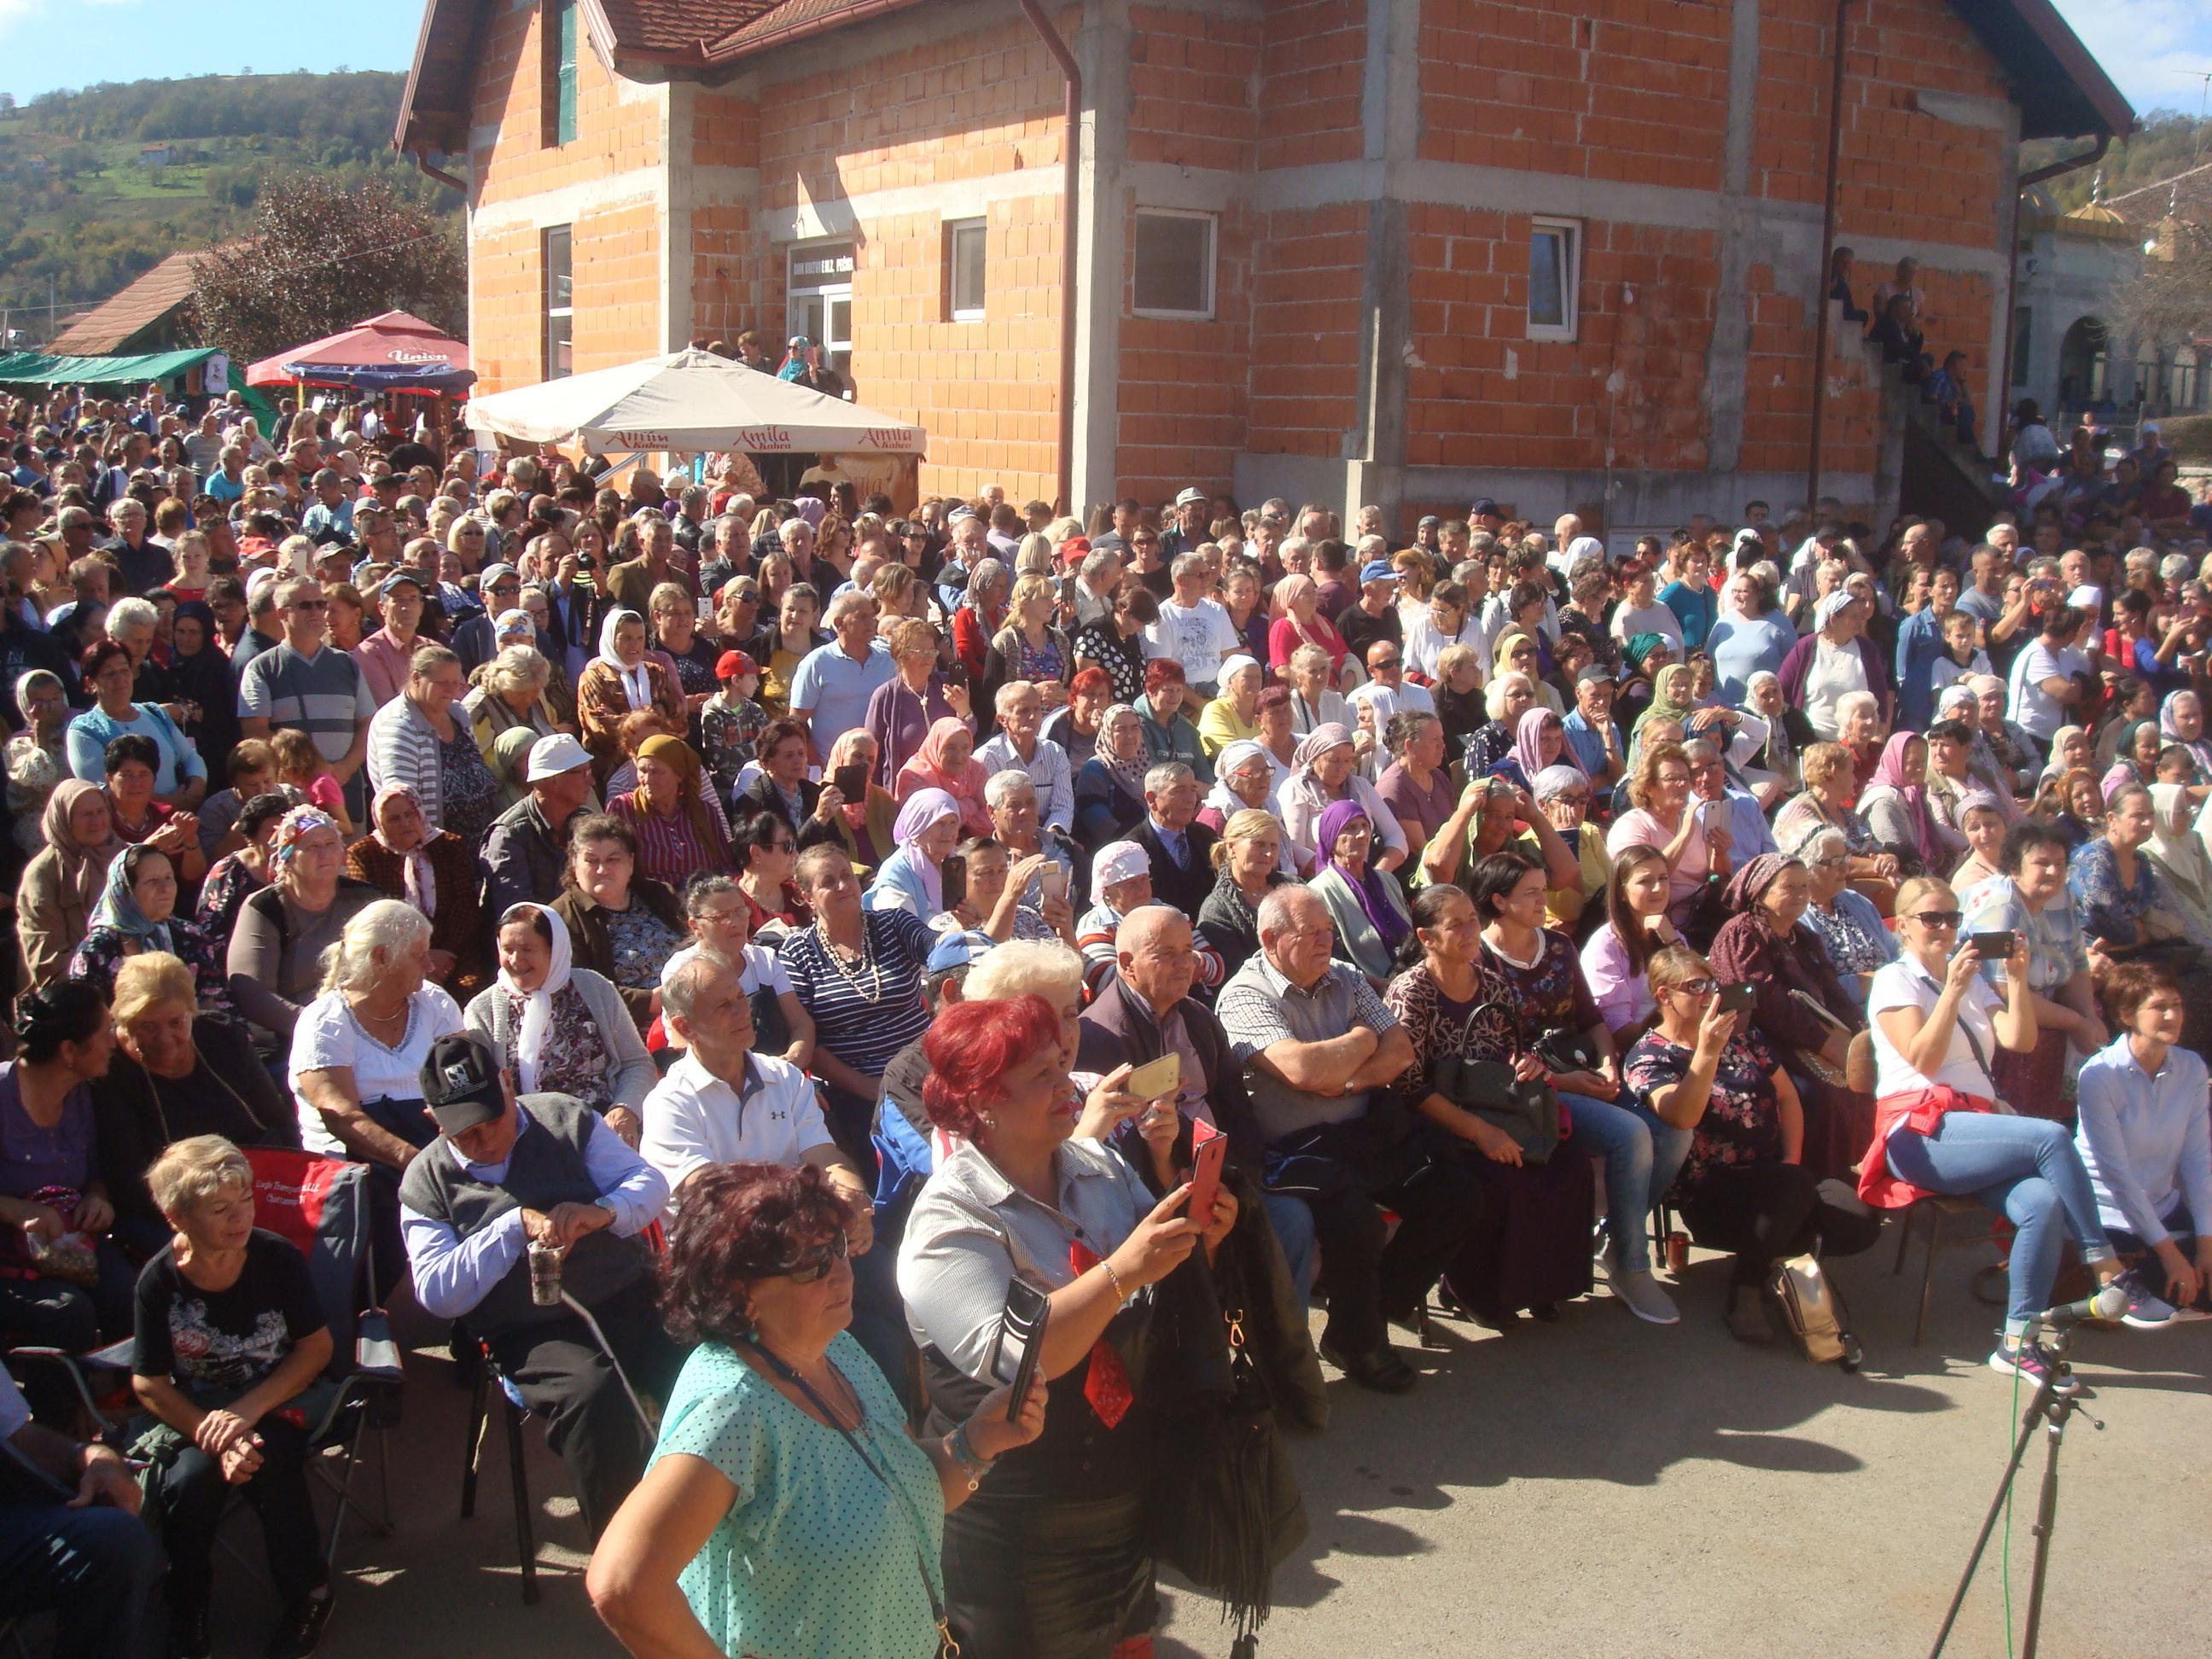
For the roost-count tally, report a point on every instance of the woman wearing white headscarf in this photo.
(2180, 719)
(1325, 772)
(1233, 716)
(1244, 779)
(624, 678)
(1833, 661)
(2178, 852)
(913, 878)
(561, 1026)
(38, 756)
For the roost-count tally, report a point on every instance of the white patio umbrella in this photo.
(691, 401)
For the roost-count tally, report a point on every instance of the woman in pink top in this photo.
(1663, 816)
(1298, 622)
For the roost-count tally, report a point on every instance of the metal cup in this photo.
(544, 1276)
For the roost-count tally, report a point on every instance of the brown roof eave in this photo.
(753, 40)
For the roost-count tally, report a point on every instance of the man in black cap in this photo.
(510, 1177)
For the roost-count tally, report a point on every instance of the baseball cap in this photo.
(1593, 675)
(460, 1083)
(960, 948)
(492, 573)
(1378, 570)
(734, 665)
(550, 756)
(1429, 521)
(384, 587)
(1484, 507)
(1191, 497)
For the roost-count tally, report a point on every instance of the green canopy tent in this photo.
(170, 368)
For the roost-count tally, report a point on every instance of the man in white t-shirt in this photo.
(2044, 690)
(1193, 630)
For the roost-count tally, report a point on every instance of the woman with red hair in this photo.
(1049, 1561)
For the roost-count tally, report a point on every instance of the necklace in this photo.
(874, 990)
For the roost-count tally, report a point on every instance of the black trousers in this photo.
(1366, 1279)
(1761, 1213)
(566, 1379)
(193, 1493)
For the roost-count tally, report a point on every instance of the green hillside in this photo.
(2164, 144)
(88, 202)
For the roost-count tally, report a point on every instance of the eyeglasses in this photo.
(311, 605)
(1696, 987)
(1832, 861)
(1938, 918)
(815, 1264)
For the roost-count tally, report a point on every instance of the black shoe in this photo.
(1746, 1315)
(301, 1628)
(1547, 1311)
(1380, 1369)
(188, 1634)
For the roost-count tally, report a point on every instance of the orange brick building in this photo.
(1401, 251)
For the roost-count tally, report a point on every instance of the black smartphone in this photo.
(1995, 946)
(1022, 1332)
(953, 875)
(851, 782)
(956, 674)
(1737, 999)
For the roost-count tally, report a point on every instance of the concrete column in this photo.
(1727, 357)
(1390, 113)
(679, 104)
(1102, 46)
(1997, 401)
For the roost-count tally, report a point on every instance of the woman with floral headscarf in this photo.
(1762, 945)
(60, 886)
(1109, 789)
(434, 870)
(1326, 771)
(678, 824)
(913, 878)
(137, 913)
(947, 762)
(2180, 719)
(276, 953)
(1370, 920)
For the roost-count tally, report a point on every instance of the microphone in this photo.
(2109, 1303)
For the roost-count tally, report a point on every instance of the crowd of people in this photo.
(807, 936)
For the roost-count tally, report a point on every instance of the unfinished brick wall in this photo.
(1313, 57)
(1308, 269)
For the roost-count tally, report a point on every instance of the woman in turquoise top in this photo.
(180, 780)
(787, 1514)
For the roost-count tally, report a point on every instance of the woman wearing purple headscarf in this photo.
(1540, 740)
(1895, 807)
(1370, 918)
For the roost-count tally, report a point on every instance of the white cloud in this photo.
(2145, 45)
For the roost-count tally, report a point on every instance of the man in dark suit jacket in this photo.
(1179, 848)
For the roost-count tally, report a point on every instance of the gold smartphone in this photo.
(1157, 1080)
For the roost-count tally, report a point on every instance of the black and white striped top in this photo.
(865, 1015)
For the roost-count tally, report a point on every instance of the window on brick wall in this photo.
(558, 115)
(560, 304)
(1175, 263)
(964, 240)
(1555, 259)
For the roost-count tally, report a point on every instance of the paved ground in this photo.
(1595, 1488)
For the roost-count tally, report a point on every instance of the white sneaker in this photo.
(1640, 1291)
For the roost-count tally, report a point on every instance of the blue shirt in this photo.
(91, 733)
(1694, 605)
(836, 688)
(1741, 648)
(1919, 642)
(2146, 1139)
(1586, 741)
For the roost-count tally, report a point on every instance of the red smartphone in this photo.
(1208, 1147)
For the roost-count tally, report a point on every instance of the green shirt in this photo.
(815, 1559)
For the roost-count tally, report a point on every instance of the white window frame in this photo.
(1571, 279)
(954, 230)
(1212, 222)
(552, 311)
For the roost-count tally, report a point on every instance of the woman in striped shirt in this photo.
(678, 821)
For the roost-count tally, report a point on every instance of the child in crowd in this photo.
(300, 766)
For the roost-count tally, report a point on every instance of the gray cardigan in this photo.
(630, 1072)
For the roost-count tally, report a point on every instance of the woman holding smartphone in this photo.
(1938, 1126)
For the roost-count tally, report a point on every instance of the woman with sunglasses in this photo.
(788, 1508)
(1938, 1127)
(1744, 1187)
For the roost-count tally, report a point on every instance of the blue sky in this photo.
(2144, 44)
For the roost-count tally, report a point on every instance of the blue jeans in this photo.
(1293, 1225)
(1640, 1155)
(2026, 1168)
(94, 1567)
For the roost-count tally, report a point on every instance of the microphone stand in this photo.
(2051, 1410)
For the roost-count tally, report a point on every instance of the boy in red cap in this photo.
(731, 721)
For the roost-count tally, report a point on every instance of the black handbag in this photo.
(1529, 1111)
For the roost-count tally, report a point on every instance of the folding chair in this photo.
(1940, 1208)
(513, 1410)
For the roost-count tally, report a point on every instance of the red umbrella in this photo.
(395, 352)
